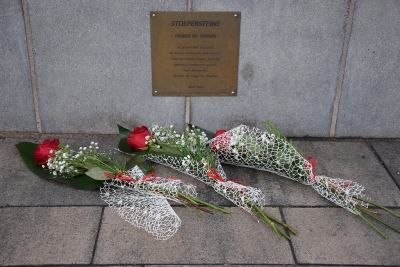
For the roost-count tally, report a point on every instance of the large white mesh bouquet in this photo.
(140, 199)
(271, 151)
(189, 154)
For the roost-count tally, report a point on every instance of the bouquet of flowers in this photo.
(188, 154)
(140, 199)
(271, 151)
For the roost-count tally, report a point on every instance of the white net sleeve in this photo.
(343, 193)
(137, 203)
(258, 149)
(241, 195)
(255, 148)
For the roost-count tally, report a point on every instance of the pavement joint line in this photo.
(28, 36)
(187, 110)
(343, 58)
(290, 241)
(97, 235)
(382, 162)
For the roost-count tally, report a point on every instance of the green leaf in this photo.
(81, 181)
(169, 150)
(134, 161)
(123, 137)
(252, 144)
(273, 129)
(97, 174)
(210, 135)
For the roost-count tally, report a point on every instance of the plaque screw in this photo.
(153, 15)
(235, 15)
(155, 92)
(233, 92)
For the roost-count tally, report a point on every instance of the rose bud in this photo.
(221, 142)
(46, 150)
(139, 138)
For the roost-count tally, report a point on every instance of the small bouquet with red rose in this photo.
(140, 199)
(187, 154)
(271, 151)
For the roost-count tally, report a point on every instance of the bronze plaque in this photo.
(194, 53)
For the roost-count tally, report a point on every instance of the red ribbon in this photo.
(149, 177)
(214, 174)
(239, 182)
(313, 162)
(124, 176)
(341, 186)
(152, 177)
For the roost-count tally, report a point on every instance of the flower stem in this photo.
(379, 219)
(292, 230)
(373, 226)
(264, 216)
(193, 210)
(378, 206)
(197, 201)
(260, 213)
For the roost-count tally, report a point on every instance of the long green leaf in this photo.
(134, 161)
(123, 136)
(97, 174)
(81, 181)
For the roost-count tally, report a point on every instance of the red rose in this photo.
(222, 141)
(139, 138)
(46, 150)
(219, 132)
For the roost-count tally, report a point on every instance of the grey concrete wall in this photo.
(16, 102)
(92, 67)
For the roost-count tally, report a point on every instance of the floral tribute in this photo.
(140, 199)
(188, 154)
(271, 151)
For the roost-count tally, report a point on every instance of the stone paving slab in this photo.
(389, 152)
(336, 236)
(213, 239)
(347, 160)
(354, 161)
(20, 187)
(48, 235)
(357, 162)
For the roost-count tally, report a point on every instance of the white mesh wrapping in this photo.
(240, 195)
(258, 149)
(137, 204)
(255, 148)
(344, 190)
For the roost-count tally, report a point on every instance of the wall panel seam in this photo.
(28, 36)
(343, 58)
(188, 99)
